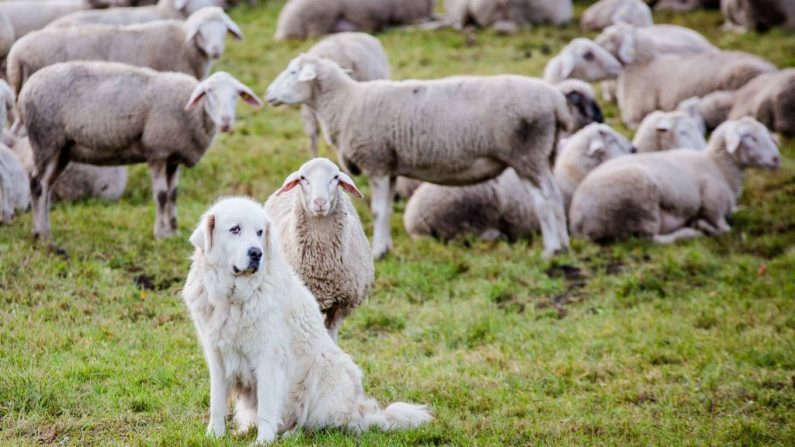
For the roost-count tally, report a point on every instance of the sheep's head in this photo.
(749, 143)
(294, 84)
(582, 102)
(188, 7)
(620, 40)
(208, 27)
(583, 59)
(594, 145)
(219, 94)
(677, 130)
(320, 181)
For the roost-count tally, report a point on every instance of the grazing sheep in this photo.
(113, 114)
(502, 207)
(604, 13)
(163, 10)
(582, 59)
(321, 237)
(507, 16)
(14, 186)
(164, 45)
(661, 131)
(669, 79)
(361, 54)
(387, 129)
(675, 194)
(710, 110)
(757, 15)
(300, 19)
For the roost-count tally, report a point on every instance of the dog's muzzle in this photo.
(254, 261)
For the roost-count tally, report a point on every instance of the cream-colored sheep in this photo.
(163, 45)
(604, 13)
(507, 16)
(661, 131)
(757, 15)
(633, 45)
(674, 194)
(163, 10)
(770, 98)
(321, 236)
(582, 59)
(26, 15)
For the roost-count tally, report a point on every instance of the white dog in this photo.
(264, 339)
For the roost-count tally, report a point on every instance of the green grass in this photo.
(692, 344)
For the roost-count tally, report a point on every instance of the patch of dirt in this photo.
(568, 272)
(146, 282)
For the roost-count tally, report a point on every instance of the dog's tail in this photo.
(398, 416)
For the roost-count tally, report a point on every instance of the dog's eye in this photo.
(235, 229)
(259, 233)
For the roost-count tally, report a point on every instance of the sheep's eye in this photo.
(259, 233)
(588, 56)
(235, 229)
(303, 179)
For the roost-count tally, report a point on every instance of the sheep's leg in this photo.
(172, 177)
(382, 190)
(720, 227)
(158, 172)
(40, 195)
(310, 128)
(548, 202)
(682, 233)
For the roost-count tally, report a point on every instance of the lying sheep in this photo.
(300, 19)
(675, 194)
(582, 59)
(661, 131)
(164, 45)
(507, 16)
(604, 13)
(387, 129)
(14, 186)
(361, 54)
(757, 15)
(115, 114)
(163, 10)
(321, 237)
(668, 80)
(710, 110)
(502, 207)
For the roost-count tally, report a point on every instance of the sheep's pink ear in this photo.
(347, 184)
(290, 182)
(249, 96)
(202, 237)
(196, 96)
(733, 138)
(626, 51)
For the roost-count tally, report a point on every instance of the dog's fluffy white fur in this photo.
(264, 339)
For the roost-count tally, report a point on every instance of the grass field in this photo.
(630, 344)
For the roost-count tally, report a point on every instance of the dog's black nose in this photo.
(254, 253)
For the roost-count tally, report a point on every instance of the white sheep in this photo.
(604, 13)
(115, 114)
(361, 54)
(507, 15)
(300, 19)
(502, 207)
(163, 10)
(25, 16)
(164, 45)
(321, 236)
(661, 131)
(582, 59)
(710, 110)
(674, 194)
(755, 15)
(14, 186)
(459, 130)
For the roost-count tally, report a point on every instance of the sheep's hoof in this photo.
(380, 253)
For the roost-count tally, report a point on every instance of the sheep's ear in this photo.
(202, 237)
(233, 29)
(196, 96)
(664, 125)
(248, 95)
(626, 51)
(290, 182)
(347, 184)
(596, 147)
(191, 30)
(179, 5)
(308, 73)
(566, 65)
(733, 138)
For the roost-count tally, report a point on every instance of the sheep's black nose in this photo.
(633, 150)
(254, 253)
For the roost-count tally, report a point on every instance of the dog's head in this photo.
(235, 234)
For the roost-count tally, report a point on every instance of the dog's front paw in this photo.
(265, 435)
(215, 430)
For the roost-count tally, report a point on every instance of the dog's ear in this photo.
(202, 237)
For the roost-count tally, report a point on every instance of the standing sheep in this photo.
(460, 130)
(582, 59)
(322, 238)
(163, 10)
(661, 131)
(360, 53)
(604, 13)
(507, 15)
(164, 45)
(300, 19)
(113, 114)
(675, 194)
(14, 186)
(757, 15)
(502, 207)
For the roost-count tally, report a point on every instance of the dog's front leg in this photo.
(271, 395)
(219, 394)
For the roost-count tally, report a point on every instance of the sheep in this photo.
(164, 45)
(321, 237)
(604, 13)
(163, 10)
(7, 111)
(672, 195)
(25, 16)
(661, 131)
(14, 186)
(507, 15)
(669, 79)
(502, 207)
(684, 5)
(114, 114)
(300, 19)
(757, 15)
(582, 59)
(360, 53)
(388, 128)
(770, 98)
(711, 110)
